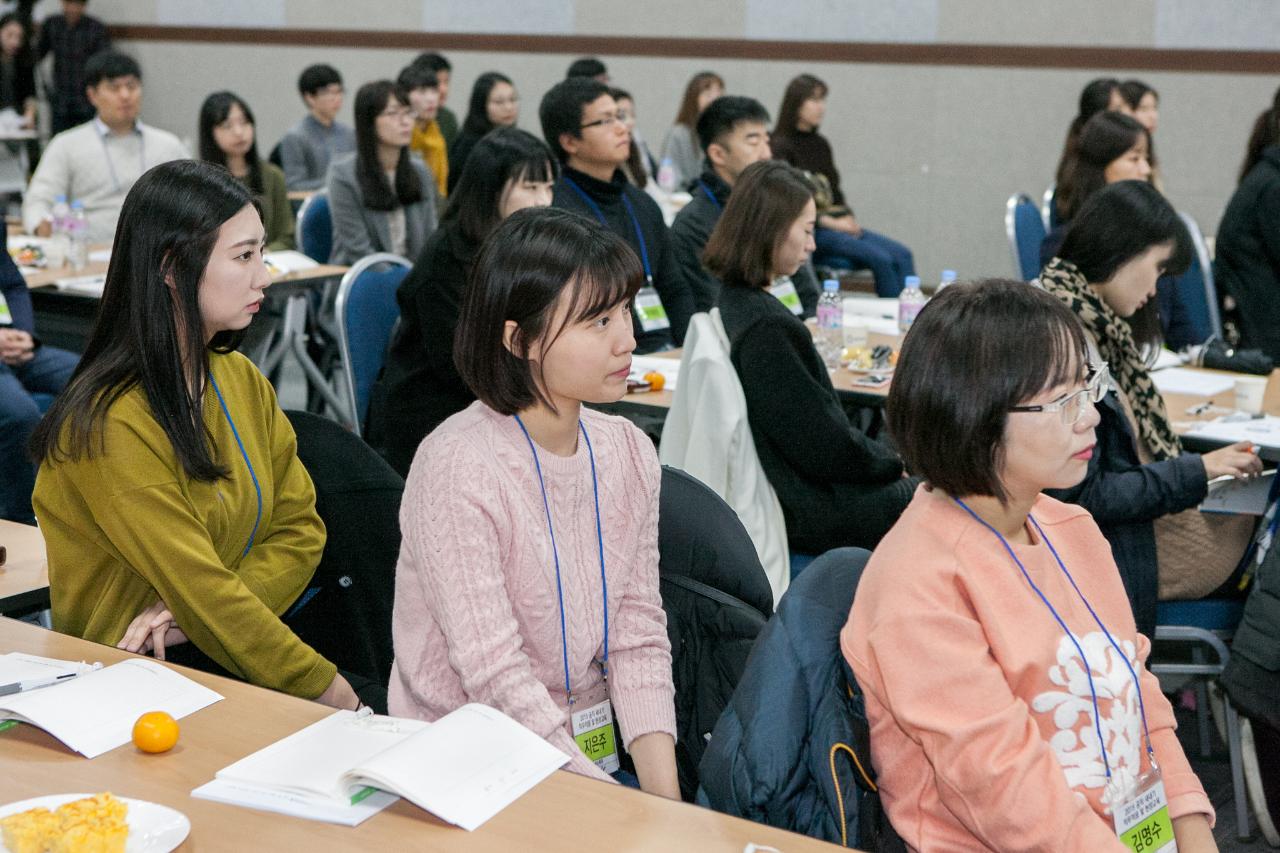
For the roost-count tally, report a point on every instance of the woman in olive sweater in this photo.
(177, 515)
(836, 486)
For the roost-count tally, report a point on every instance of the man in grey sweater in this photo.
(98, 161)
(308, 147)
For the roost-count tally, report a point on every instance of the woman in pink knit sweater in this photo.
(1004, 678)
(528, 572)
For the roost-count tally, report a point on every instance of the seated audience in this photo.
(841, 240)
(97, 162)
(319, 138)
(836, 486)
(178, 518)
(1100, 95)
(580, 123)
(507, 171)
(1140, 486)
(536, 486)
(228, 137)
(640, 167)
(382, 198)
(444, 73)
(1004, 680)
(588, 66)
(423, 88)
(1143, 103)
(734, 133)
(494, 103)
(17, 69)
(26, 367)
(680, 145)
(72, 37)
(1247, 262)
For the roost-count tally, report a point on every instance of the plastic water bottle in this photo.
(910, 301)
(667, 174)
(830, 323)
(56, 253)
(948, 277)
(77, 229)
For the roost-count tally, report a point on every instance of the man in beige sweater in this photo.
(98, 161)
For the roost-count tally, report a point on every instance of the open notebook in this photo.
(95, 712)
(464, 768)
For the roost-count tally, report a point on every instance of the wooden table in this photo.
(564, 812)
(24, 578)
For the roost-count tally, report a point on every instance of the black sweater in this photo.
(1248, 253)
(810, 151)
(608, 195)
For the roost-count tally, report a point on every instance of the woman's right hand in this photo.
(1234, 460)
(339, 694)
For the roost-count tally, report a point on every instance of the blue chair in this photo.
(366, 312)
(1196, 287)
(799, 562)
(1026, 231)
(315, 228)
(1204, 626)
(1049, 207)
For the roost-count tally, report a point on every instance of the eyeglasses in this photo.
(398, 114)
(1072, 406)
(607, 121)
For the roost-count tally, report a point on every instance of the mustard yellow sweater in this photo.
(127, 526)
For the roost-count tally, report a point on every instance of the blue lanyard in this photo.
(252, 476)
(1088, 671)
(1261, 544)
(604, 583)
(635, 222)
(706, 189)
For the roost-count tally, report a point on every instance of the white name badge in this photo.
(653, 317)
(6, 316)
(785, 291)
(1142, 819)
(593, 731)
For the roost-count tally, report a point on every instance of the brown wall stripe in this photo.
(979, 55)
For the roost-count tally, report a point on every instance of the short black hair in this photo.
(561, 109)
(587, 66)
(109, 65)
(974, 351)
(415, 76)
(315, 77)
(724, 114)
(1120, 222)
(528, 261)
(435, 61)
(500, 156)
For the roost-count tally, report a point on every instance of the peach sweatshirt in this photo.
(981, 719)
(476, 615)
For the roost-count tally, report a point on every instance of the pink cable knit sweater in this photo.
(476, 613)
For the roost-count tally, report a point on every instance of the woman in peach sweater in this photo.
(1004, 678)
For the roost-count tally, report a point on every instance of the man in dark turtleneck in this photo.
(580, 122)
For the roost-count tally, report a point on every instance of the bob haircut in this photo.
(1105, 138)
(214, 111)
(699, 83)
(477, 120)
(371, 100)
(1095, 98)
(533, 257)
(976, 350)
(503, 155)
(149, 331)
(799, 90)
(767, 199)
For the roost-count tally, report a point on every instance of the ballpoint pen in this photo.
(34, 683)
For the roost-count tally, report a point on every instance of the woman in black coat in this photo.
(836, 486)
(420, 387)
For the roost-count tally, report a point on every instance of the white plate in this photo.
(153, 828)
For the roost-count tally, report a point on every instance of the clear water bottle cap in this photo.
(77, 205)
(830, 285)
(913, 281)
(60, 199)
(948, 275)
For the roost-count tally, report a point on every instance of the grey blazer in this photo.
(359, 231)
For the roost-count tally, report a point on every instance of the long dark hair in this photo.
(214, 111)
(1266, 132)
(798, 91)
(505, 154)
(24, 58)
(149, 331)
(371, 100)
(634, 167)
(767, 198)
(700, 82)
(477, 120)
(1094, 98)
(1105, 138)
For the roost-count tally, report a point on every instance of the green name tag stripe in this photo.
(597, 743)
(653, 312)
(1151, 834)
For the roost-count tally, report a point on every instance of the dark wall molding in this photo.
(975, 55)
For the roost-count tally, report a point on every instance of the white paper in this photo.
(287, 261)
(878, 325)
(1167, 358)
(95, 713)
(85, 285)
(16, 666)
(1197, 383)
(1239, 497)
(862, 306)
(100, 256)
(234, 793)
(1264, 431)
(668, 367)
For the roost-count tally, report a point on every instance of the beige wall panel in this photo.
(1094, 23)
(843, 20)
(1220, 24)
(377, 15)
(677, 18)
